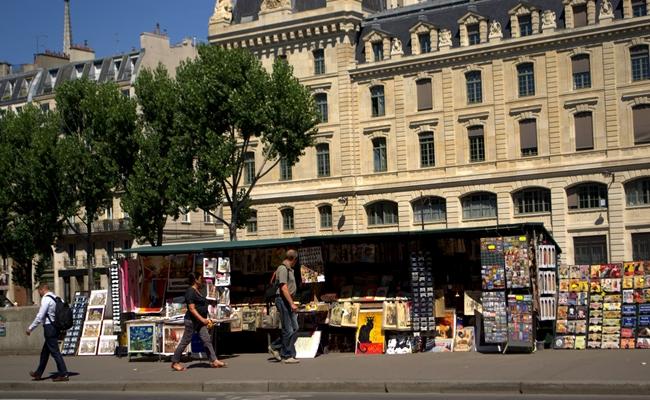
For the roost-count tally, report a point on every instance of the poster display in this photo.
(517, 262)
(312, 269)
(153, 276)
(399, 343)
(370, 336)
(520, 320)
(72, 335)
(422, 313)
(445, 331)
(573, 302)
(495, 321)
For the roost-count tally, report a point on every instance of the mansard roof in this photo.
(444, 14)
(248, 10)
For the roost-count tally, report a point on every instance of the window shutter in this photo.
(579, 16)
(572, 198)
(641, 116)
(425, 99)
(528, 134)
(580, 64)
(584, 131)
(475, 131)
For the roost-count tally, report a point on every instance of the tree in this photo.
(31, 198)
(98, 125)
(152, 191)
(227, 101)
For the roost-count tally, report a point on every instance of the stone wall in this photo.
(17, 319)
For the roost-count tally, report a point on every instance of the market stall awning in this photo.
(182, 248)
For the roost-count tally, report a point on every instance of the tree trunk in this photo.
(232, 228)
(159, 233)
(90, 255)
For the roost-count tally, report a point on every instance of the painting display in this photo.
(72, 335)
(108, 327)
(399, 343)
(312, 269)
(153, 276)
(370, 335)
(180, 267)
(389, 315)
(141, 337)
(172, 335)
(98, 298)
(445, 331)
(87, 346)
(107, 345)
(350, 316)
(92, 329)
(95, 313)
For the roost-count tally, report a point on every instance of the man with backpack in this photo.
(47, 316)
(284, 348)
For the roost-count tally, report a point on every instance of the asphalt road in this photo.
(294, 396)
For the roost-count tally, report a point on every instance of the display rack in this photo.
(72, 335)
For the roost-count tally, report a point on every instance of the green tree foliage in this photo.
(156, 184)
(98, 125)
(31, 199)
(229, 101)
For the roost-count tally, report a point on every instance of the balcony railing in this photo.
(82, 262)
(106, 225)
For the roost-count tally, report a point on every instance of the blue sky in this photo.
(109, 26)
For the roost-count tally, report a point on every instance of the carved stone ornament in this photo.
(268, 5)
(606, 10)
(396, 47)
(548, 20)
(495, 30)
(222, 11)
(444, 39)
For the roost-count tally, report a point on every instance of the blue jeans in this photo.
(51, 347)
(286, 343)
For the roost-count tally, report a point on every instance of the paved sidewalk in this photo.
(548, 371)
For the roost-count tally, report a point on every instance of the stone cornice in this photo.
(559, 40)
(422, 122)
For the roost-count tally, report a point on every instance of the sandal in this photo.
(178, 367)
(218, 364)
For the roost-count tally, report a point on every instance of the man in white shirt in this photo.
(46, 316)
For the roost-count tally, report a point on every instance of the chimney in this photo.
(67, 28)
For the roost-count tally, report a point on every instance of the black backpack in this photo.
(62, 315)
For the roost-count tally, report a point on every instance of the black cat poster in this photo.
(370, 336)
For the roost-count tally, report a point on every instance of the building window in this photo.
(109, 212)
(126, 245)
(476, 143)
(639, 9)
(525, 25)
(533, 200)
(378, 51)
(584, 130)
(528, 137)
(637, 192)
(640, 63)
(425, 95)
(45, 107)
(427, 150)
(282, 57)
(379, 155)
(429, 209)
(581, 71)
(286, 174)
(425, 42)
(72, 253)
(287, 219)
(126, 93)
(473, 34)
(319, 62)
(526, 78)
(641, 117)
(185, 217)
(474, 90)
(321, 106)
(110, 249)
(590, 250)
(325, 213)
(479, 205)
(579, 15)
(251, 224)
(640, 246)
(587, 196)
(377, 100)
(207, 217)
(249, 168)
(382, 213)
(323, 159)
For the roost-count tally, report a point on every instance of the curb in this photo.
(458, 387)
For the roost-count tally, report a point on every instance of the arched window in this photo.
(637, 192)
(382, 213)
(251, 224)
(526, 79)
(378, 101)
(640, 63)
(532, 200)
(287, 219)
(479, 205)
(325, 214)
(429, 209)
(587, 195)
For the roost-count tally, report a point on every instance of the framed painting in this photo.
(107, 345)
(172, 335)
(98, 298)
(350, 314)
(141, 338)
(390, 315)
(95, 313)
(92, 329)
(370, 336)
(87, 346)
(108, 327)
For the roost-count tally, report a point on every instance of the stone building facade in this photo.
(446, 114)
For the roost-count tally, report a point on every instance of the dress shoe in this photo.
(61, 378)
(35, 375)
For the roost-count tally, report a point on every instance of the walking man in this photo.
(284, 348)
(46, 316)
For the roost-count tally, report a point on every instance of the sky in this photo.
(110, 26)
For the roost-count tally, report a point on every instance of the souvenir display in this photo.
(520, 320)
(222, 274)
(107, 345)
(399, 343)
(492, 264)
(464, 340)
(403, 315)
(350, 314)
(248, 319)
(547, 306)
(546, 282)
(370, 336)
(517, 261)
(236, 320)
(495, 320)
(445, 331)
(209, 267)
(546, 257)
(115, 295)
(422, 313)
(572, 306)
(389, 315)
(312, 269)
(73, 334)
(493, 277)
